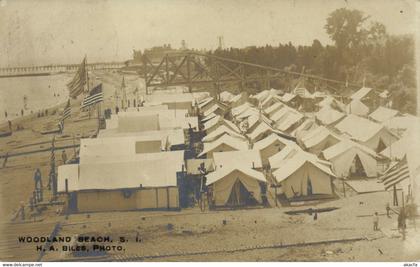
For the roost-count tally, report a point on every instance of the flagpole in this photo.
(87, 82)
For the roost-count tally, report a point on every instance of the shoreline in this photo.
(52, 110)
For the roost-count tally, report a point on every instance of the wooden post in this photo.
(189, 73)
(344, 187)
(395, 198)
(275, 190)
(402, 198)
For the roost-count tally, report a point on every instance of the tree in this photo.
(346, 28)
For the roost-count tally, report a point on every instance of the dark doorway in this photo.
(240, 196)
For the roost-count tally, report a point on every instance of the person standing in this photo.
(5, 114)
(375, 222)
(64, 156)
(38, 185)
(388, 208)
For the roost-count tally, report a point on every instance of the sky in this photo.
(53, 32)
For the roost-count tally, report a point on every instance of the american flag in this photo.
(95, 96)
(396, 174)
(76, 86)
(67, 111)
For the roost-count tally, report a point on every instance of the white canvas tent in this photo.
(304, 128)
(273, 108)
(301, 174)
(361, 93)
(319, 139)
(357, 107)
(235, 186)
(329, 116)
(351, 159)
(270, 145)
(226, 96)
(261, 131)
(221, 130)
(382, 114)
(224, 143)
(244, 158)
(239, 109)
(214, 123)
(366, 132)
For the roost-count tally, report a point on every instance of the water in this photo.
(39, 92)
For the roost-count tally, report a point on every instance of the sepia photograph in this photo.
(209, 131)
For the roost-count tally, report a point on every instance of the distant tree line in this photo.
(363, 52)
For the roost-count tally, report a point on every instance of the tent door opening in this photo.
(240, 196)
(381, 145)
(356, 169)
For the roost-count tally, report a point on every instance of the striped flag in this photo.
(76, 86)
(67, 111)
(396, 174)
(95, 96)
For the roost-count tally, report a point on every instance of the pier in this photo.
(54, 69)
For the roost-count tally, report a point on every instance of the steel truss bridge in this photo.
(191, 69)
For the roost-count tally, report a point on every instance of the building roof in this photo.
(131, 174)
(358, 128)
(243, 158)
(223, 172)
(227, 140)
(174, 136)
(361, 93)
(95, 149)
(169, 97)
(382, 114)
(328, 115)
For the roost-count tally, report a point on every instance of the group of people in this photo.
(38, 194)
(408, 211)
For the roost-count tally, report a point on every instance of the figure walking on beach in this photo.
(388, 208)
(38, 185)
(375, 222)
(64, 157)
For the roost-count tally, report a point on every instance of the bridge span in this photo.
(53, 69)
